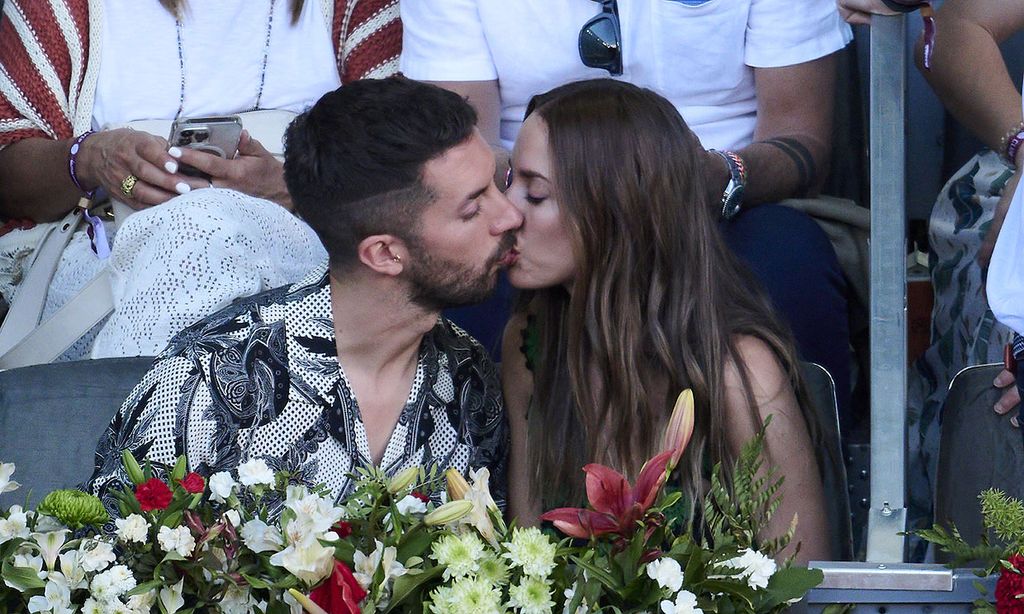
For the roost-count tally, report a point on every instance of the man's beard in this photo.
(437, 283)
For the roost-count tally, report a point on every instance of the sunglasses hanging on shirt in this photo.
(601, 39)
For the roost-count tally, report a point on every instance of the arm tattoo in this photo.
(801, 158)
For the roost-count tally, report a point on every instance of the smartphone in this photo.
(214, 135)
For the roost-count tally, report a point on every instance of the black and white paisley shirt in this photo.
(261, 379)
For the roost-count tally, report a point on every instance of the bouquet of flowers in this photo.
(255, 541)
(1003, 517)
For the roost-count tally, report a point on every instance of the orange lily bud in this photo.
(458, 487)
(680, 427)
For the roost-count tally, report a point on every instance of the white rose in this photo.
(255, 471)
(261, 537)
(178, 540)
(94, 555)
(221, 484)
(667, 572)
(134, 528)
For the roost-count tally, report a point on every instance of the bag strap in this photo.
(27, 306)
(61, 330)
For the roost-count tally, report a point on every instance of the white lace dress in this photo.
(173, 264)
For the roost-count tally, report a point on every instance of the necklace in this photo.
(263, 67)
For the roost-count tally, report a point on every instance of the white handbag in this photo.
(24, 340)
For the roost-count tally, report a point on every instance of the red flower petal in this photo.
(652, 477)
(153, 495)
(580, 523)
(193, 483)
(341, 593)
(607, 490)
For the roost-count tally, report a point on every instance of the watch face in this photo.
(732, 202)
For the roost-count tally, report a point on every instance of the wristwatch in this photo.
(732, 198)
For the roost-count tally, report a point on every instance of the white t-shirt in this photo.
(699, 54)
(1005, 282)
(223, 43)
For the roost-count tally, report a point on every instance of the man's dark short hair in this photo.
(354, 162)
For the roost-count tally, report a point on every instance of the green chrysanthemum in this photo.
(459, 555)
(531, 596)
(493, 570)
(475, 596)
(74, 508)
(532, 551)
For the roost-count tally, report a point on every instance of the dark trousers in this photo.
(797, 267)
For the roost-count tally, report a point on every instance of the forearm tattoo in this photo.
(807, 170)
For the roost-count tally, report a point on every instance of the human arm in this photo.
(790, 153)
(37, 185)
(253, 171)
(517, 384)
(787, 446)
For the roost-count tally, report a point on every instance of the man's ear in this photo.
(383, 254)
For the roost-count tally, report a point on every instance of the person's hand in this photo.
(1010, 397)
(254, 171)
(108, 157)
(858, 12)
(989, 243)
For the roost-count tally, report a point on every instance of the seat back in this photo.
(821, 390)
(978, 449)
(52, 415)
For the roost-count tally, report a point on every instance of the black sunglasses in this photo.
(601, 39)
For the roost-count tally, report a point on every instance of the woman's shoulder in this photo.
(771, 386)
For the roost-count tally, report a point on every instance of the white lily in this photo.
(72, 570)
(15, 525)
(6, 483)
(56, 597)
(170, 597)
(50, 544)
(480, 494)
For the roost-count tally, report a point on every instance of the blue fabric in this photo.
(797, 266)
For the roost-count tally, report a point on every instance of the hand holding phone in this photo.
(214, 135)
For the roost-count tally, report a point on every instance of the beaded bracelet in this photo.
(76, 146)
(1011, 143)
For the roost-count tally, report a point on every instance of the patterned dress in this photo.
(262, 379)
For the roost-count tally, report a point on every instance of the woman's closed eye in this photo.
(535, 200)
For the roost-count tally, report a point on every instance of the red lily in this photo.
(616, 505)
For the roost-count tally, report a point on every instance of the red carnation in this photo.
(1009, 586)
(421, 496)
(341, 593)
(343, 529)
(193, 483)
(153, 495)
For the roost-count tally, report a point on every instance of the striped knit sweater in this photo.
(49, 58)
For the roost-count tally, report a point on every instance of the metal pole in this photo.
(887, 516)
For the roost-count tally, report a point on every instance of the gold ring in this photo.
(128, 184)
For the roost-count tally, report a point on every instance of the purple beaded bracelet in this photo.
(76, 146)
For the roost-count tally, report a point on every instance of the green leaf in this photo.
(599, 574)
(145, 587)
(407, 585)
(792, 583)
(255, 582)
(21, 578)
(416, 542)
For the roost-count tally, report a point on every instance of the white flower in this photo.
(72, 569)
(313, 514)
(532, 551)
(480, 494)
(307, 560)
(754, 566)
(475, 596)
(56, 596)
(459, 554)
(261, 537)
(685, 603)
(253, 472)
(50, 544)
(142, 604)
(667, 572)
(531, 596)
(134, 528)
(221, 484)
(233, 517)
(6, 483)
(112, 583)
(411, 504)
(178, 540)
(570, 593)
(364, 567)
(170, 597)
(25, 558)
(95, 555)
(237, 600)
(15, 525)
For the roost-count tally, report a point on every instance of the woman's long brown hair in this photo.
(657, 302)
(175, 7)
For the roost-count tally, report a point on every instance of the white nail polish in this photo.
(171, 166)
(174, 152)
(182, 187)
